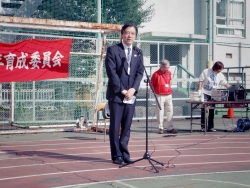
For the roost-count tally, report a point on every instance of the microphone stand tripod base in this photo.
(146, 156)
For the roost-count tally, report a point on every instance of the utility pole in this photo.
(99, 20)
(210, 33)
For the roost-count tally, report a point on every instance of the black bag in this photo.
(106, 112)
(237, 93)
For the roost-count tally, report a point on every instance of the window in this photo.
(167, 51)
(230, 56)
(230, 17)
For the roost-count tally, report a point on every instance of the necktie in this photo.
(129, 56)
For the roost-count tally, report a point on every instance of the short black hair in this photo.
(129, 24)
(218, 66)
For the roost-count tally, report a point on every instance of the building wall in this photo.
(177, 16)
(181, 16)
(190, 16)
(238, 47)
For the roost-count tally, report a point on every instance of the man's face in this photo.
(129, 35)
(164, 68)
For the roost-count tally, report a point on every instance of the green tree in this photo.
(113, 11)
(120, 11)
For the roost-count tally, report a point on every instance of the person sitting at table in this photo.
(209, 80)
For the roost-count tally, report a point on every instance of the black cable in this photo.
(179, 153)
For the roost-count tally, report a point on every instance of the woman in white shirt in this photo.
(209, 80)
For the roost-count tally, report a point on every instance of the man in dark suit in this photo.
(124, 67)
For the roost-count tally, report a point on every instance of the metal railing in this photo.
(243, 83)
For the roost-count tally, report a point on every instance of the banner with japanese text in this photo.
(34, 59)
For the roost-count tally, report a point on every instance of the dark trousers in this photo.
(120, 116)
(210, 116)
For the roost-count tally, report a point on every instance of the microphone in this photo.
(138, 50)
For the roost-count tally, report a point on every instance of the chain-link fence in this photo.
(62, 101)
(55, 101)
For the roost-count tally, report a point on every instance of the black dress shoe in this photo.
(118, 160)
(129, 161)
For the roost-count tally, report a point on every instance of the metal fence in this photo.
(62, 101)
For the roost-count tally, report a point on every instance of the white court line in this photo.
(92, 170)
(122, 183)
(98, 153)
(80, 161)
(209, 142)
(55, 149)
(155, 177)
(134, 138)
(208, 163)
(34, 141)
(107, 146)
(56, 173)
(79, 140)
(156, 157)
(75, 148)
(49, 144)
(131, 141)
(224, 182)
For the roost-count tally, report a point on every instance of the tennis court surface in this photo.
(78, 159)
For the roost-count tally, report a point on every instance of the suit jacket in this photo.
(117, 71)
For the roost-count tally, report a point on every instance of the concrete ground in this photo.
(81, 158)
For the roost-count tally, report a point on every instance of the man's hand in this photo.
(130, 93)
(124, 92)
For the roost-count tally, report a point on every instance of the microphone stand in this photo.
(146, 154)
